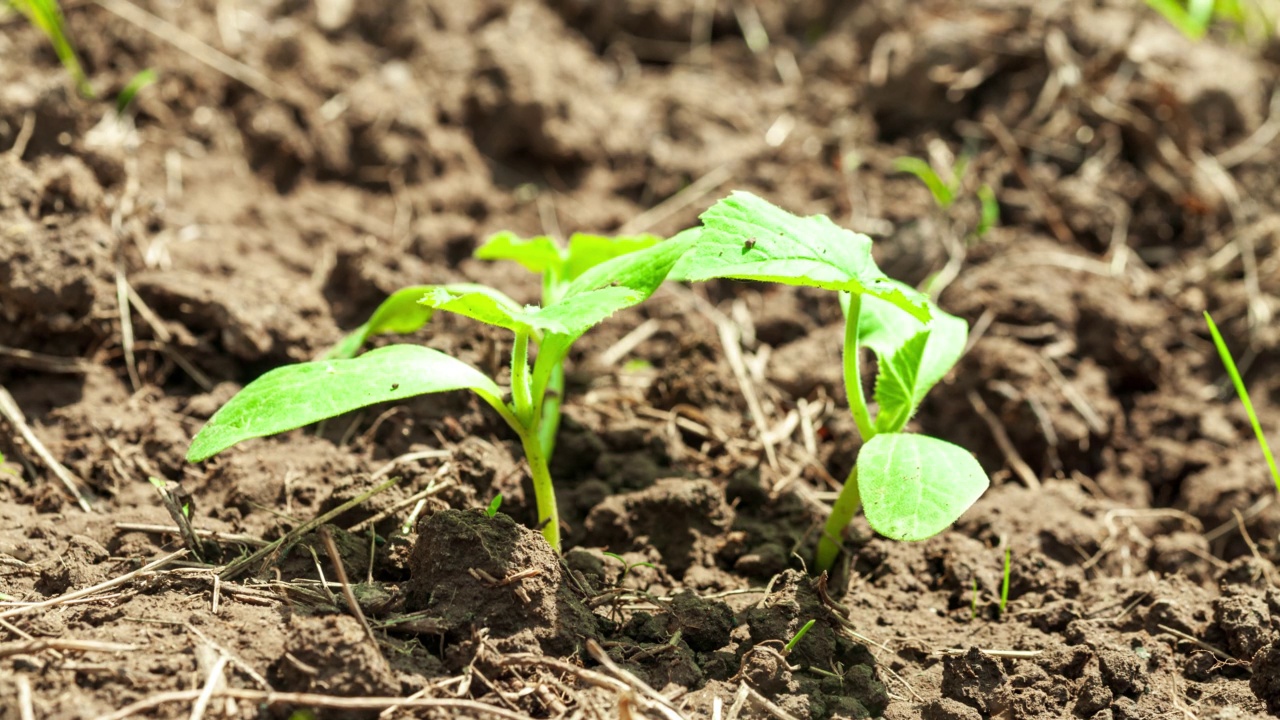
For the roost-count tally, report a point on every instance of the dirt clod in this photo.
(462, 573)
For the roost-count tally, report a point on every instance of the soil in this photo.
(297, 162)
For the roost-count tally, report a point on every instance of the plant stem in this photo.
(853, 372)
(520, 391)
(847, 504)
(543, 491)
(552, 399)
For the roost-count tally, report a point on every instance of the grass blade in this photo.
(1236, 380)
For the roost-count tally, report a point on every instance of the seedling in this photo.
(795, 639)
(494, 504)
(132, 88)
(912, 486)
(626, 566)
(1243, 392)
(946, 191)
(4, 468)
(583, 285)
(47, 16)
(1193, 17)
(1004, 582)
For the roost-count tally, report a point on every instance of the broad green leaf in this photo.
(747, 238)
(587, 251)
(537, 254)
(292, 396)
(612, 285)
(914, 486)
(543, 255)
(401, 313)
(482, 306)
(912, 355)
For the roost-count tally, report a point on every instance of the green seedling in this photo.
(1004, 581)
(47, 17)
(4, 468)
(1243, 392)
(583, 285)
(494, 504)
(133, 87)
(626, 566)
(946, 191)
(795, 639)
(910, 486)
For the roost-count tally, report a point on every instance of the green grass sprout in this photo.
(47, 16)
(990, 216)
(494, 504)
(131, 89)
(795, 639)
(1004, 582)
(910, 486)
(583, 285)
(1243, 392)
(626, 566)
(944, 192)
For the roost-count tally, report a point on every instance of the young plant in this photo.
(47, 17)
(627, 567)
(947, 191)
(494, 504)
(1243, 392)
(1004, 581)
(583, 286)
(795, 639)
(911, 486)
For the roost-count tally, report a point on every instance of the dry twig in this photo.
(11, 412)
(94, 589)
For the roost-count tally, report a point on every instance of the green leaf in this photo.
(747, 238)
(296, 395)
(611, 286)
(912, 355)
(1230, 364)
(401, 313)
(587, 251)
(482, 306)
(537, 254)
(137, 83)
(494, 504)
(914, 486)
(542, 255)
(47, 16)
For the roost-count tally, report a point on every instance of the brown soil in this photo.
(363, 147)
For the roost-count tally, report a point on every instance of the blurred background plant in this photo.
(46, 15)
(1255, 20)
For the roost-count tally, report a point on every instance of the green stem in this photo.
(853, 372)
(520, 393)
(847, 504)
(543, 492)
(552, 398)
